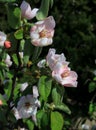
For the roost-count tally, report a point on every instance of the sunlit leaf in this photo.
(43, 11)
(57, 121)
(44, 87)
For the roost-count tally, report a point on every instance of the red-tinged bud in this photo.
(7, 44)
(1, 103)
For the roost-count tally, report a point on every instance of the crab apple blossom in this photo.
(42, 32)
(26, 11)
(2, 38)
(60, 70)
(65, 76)
(8, 61)
(53, 58)
(27, 106)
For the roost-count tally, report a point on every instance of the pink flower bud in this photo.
(1, 103)
(7, 44)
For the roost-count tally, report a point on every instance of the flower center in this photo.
(65, 74)
(27, 104)
(43, 33)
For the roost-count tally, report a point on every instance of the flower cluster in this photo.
(60, 70)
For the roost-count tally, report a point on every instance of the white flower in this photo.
(60, 70)
(8, 61)
(27, 106)
(42, 32)
(23, 86)
(2, 38)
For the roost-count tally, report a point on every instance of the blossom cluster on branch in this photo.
(21, 102)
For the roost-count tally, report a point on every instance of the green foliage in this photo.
(43, 11)
(29, 123)
(44, 87)
(9, 1)
(56, 123)
(57, 94)
(19, 34)
(14, 16)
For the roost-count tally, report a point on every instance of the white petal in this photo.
(34, 35)
(33, 12)
(23, 86)
(41, 64)
(35, 92)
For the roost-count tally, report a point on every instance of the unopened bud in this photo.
(7, 44)
(1, 103)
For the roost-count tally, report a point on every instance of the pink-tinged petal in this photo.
(56, 61)
(34, 35)
(16, 113)
(1, 103)
(25, 7)
(35, 92)
(69, 82)
(35, 42)
(26, 11)
(34, 12)
(49, 23)
(73, 75)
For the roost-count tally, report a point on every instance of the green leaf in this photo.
(28, 48)
(42, 119)
(92, 86)
(19, 34)
(16, 91)
(44, 87)
(45, 121)
(15, 59)
(56, 121)
(39, 116)
(91, 108)
(51, 2)
(57, 94)
(36, 53)
(29, 123)
(14, 41)
(2, 65)
(7, 1)
(26, 59)
(43, 11)
(14, 16)
(3, 116)
(8, 88)
(63, 107)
